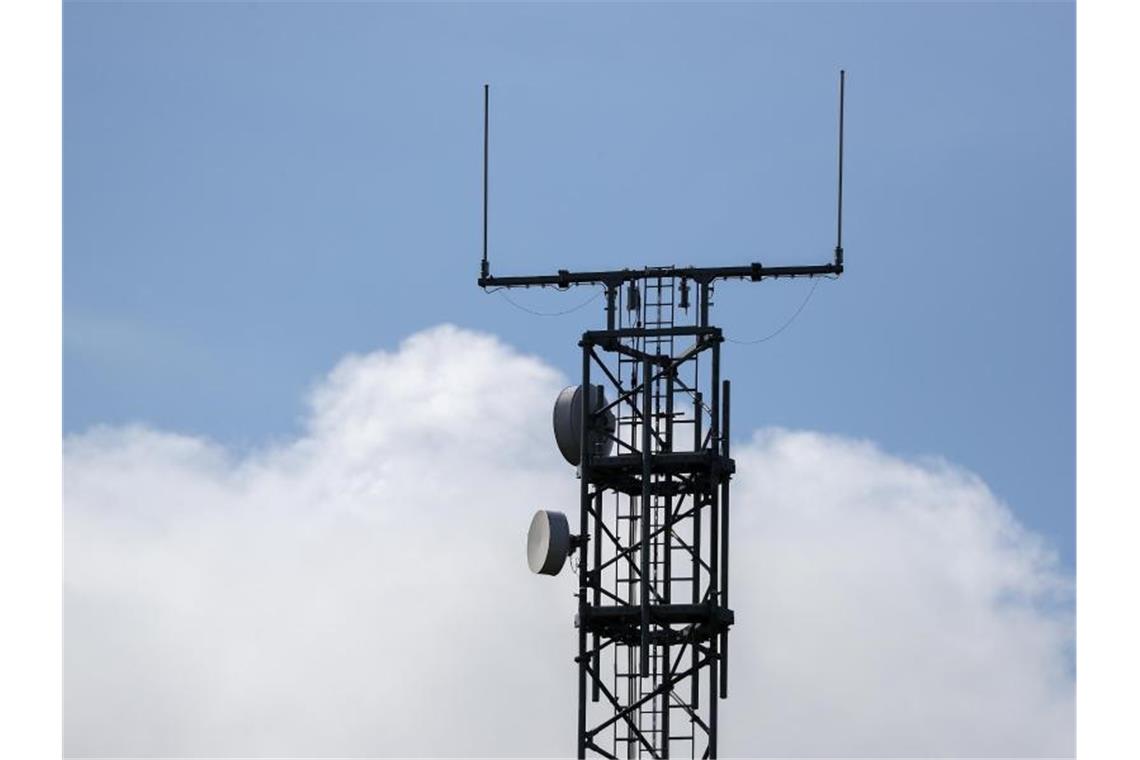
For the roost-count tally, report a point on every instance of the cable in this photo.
(519, 306)
(783, 326)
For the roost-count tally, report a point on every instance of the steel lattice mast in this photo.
(654, 466)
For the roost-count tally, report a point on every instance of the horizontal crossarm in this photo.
(616, 277)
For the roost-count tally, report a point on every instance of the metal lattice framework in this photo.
(652, 553)
(653, 610)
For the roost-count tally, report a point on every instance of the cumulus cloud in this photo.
(362, 590)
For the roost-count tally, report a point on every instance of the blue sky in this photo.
(251, 192)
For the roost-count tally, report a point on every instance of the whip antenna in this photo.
(485, 270)
(839, 204)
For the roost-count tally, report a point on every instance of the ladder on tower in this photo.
(655, 308)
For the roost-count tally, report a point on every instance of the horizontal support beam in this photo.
(705, 463)
(602, 337)
(677, 614)
(630, 485)
(615, 277)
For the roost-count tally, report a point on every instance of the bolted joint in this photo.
(577, 542)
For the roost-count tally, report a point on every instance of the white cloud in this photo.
(893, 607)
(363, 590)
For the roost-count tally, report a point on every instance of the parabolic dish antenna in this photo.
(547, 542)
(568, 423)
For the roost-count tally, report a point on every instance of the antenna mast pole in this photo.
(839, 203)
(485, 269)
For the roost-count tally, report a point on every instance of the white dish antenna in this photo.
(548, 542)
(568, 423)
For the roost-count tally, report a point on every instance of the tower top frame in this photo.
(614, 278)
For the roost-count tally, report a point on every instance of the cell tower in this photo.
(648, 430)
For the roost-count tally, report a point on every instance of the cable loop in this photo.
(783, 326)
